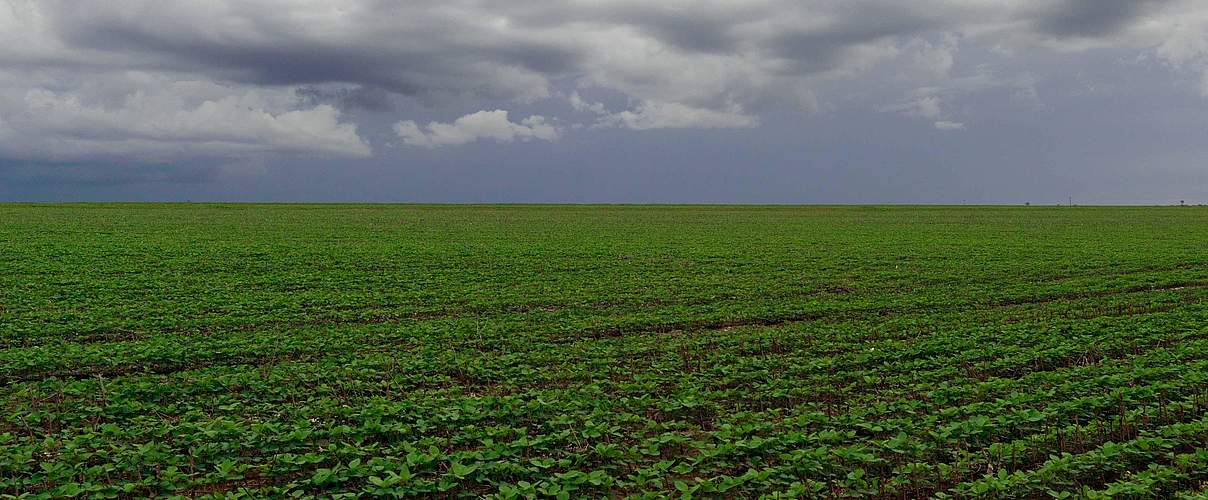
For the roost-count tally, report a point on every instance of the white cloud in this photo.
(655, 115)
(949, 125)
(925, 103)
(472, 127)
(934, 61)
(581, 105)
(926, 107)
(649, 115)
(152, 120)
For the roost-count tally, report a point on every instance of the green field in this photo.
(588, 351)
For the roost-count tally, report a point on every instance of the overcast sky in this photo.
(760, 101)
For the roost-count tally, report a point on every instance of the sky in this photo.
(605, 101)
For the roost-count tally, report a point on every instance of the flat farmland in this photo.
(603, 351)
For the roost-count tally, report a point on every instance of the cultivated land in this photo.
(603, 351)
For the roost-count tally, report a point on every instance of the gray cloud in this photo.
(347, 98)
(155, 82)
(1093, 18)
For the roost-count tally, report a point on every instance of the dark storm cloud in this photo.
(1093, 18)
(515, 50)
(826, 47)
(397, 47)
(355, 98)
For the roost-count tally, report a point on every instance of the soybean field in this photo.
(242, 350)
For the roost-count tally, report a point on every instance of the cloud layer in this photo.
(168, 80)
